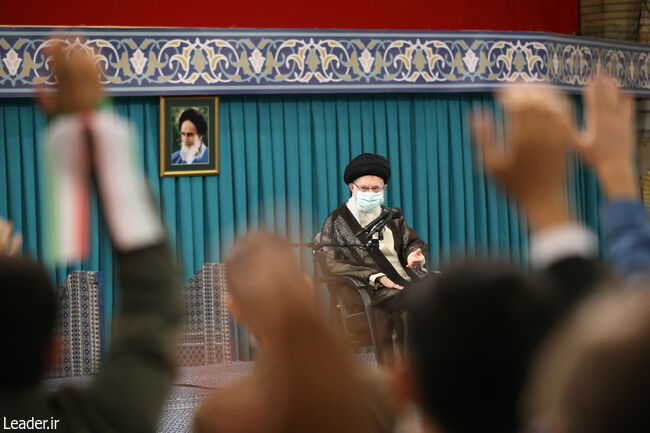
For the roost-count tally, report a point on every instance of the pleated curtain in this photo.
(281, 159)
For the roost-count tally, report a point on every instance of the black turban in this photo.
(367, 164)
(196, 118)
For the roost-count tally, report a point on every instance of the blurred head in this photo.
(193, 127)
(472, 332)
(27, 316)
(264, 277)
(593, 375)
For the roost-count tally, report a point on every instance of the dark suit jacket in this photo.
(129, 391)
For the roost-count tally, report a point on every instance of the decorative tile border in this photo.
(147, 61)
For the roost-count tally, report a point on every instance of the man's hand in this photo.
(533, 168)
(416, 258)
(78, 87)
(10, 242)
(389, 284)
(607, 143)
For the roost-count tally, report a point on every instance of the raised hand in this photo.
(607, 143)
(533, 168)
(10, 241)
(414, 259)
(77, 84)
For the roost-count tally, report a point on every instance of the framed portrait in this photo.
(189, 131)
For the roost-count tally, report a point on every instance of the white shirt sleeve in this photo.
(557, 243)
(374, 277)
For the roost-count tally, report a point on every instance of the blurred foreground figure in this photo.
(607, 146)
(304, 380)
(475, 329)
(472, 333)
(594, 375)
(128, 393)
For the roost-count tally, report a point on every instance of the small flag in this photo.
(100, 146)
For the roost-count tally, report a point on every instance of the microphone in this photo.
(394, 213)
(386, 213)
(386, 216)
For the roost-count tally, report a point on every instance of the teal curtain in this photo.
(281, 160)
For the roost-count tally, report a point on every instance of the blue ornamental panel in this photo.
(146, 61)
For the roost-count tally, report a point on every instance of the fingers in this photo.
(46, 100)
(389, 284)
(524, 96)
(395, 286)
(10, 242)
(602, 95)
(54, 52)
(606, 94)
(530, 105)
(15, 244)
(415, 258)
(494, 160)
(609, 121)
(589, 99)
(5, 233)
(392, 285)
(627, 108)
(76, 74)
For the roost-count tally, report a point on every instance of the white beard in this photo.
(195, 150)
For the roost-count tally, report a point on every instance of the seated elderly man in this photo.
(385, 271)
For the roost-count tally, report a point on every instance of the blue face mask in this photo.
(369, 201)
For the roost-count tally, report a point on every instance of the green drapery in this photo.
(281, 163)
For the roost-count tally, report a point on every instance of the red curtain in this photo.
(560, 16)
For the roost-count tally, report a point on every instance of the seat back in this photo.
(205, 337)
(79, 324)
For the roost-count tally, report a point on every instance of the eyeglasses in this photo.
(370, 188)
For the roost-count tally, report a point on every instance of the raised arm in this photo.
(533, 170)
(128, 392)
(607, 146)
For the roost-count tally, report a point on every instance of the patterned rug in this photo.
(191, 387)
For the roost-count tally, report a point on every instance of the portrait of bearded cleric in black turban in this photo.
(188, 136)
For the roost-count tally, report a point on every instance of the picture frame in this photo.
(189, 134)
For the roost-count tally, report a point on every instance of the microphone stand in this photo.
(384, 214)
(378, 228)
(317, 247)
